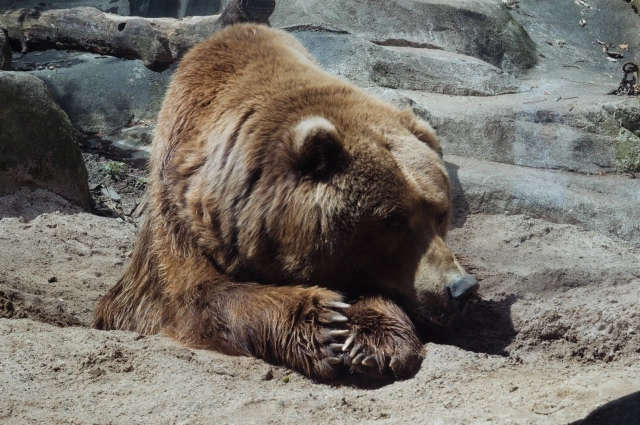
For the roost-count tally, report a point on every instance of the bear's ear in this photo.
(423, 131)
(317, 145)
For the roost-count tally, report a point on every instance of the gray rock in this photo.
(367, 64)
(581, 58)
(175, 8)
(606, 204)
(37, 142)
(135, 139)
(146, 8)
(99, 93)
(482, 29)
(399, 101)
(5, 51)
(583, 130)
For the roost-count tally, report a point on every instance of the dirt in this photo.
(556, 335)
(117, 184)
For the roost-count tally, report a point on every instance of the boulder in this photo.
(439, 71)
(573, 129)
(605, 204)
(38, 148)
(98, 93)
(175, 8)
(101, 93)
(5, 51)
(483, 29)
(610, 22)
(399, 101)
(145, 8)
(135, 139)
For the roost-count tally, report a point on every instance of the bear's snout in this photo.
(462, 290)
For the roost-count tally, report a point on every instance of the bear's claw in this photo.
(394, 363)
(358, 359)
(339, 318)
(337, 304)
(330, 316)
(334, 360)
(348, 342)
(355, 350)
(370, 361)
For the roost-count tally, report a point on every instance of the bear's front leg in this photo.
(293, 326)
(382, 341)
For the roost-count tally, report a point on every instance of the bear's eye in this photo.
(395, 222)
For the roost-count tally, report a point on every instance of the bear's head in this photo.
(346, 192)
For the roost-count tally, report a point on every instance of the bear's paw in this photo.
(382, 342)
(316, 327)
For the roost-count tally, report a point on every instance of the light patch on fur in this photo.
(310, 126)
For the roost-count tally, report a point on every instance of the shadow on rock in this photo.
(485, 327)
(460, 205)
(623, 411)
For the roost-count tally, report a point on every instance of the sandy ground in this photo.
(556, 336)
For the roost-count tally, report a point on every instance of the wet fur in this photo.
(254, 231)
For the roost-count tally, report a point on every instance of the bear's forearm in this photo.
(284, 325)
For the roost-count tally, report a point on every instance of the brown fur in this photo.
(274, 184)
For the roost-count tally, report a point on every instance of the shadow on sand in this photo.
(485, 327)
(623, 411)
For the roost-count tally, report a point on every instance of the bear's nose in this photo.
(463, 288)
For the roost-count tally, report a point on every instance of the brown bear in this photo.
(292, 217)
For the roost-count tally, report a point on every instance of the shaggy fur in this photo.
(278, 191)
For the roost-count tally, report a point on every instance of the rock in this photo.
(37, 142)
(145, 8)
(136, 139)
(99, 93)
(399, 101)
(606, 204)
(580, 58)
(573, 129)
(5, 51)
(485, 30)
(367, 64)
(175, 9)
(84, 85)
(110, 193)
